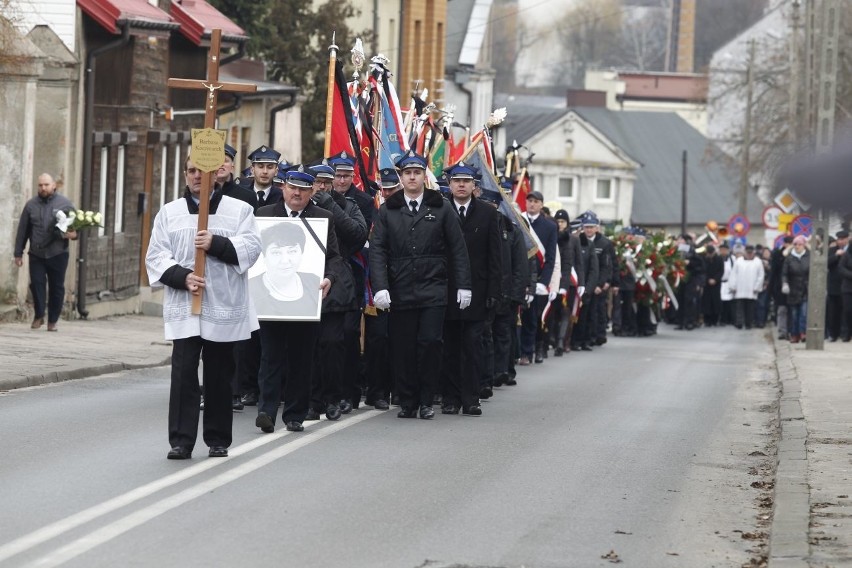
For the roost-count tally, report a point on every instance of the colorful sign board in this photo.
(771, 216)
(802, 225)
(738, 225)
(786, 201)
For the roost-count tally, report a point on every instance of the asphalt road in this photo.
(644, 451)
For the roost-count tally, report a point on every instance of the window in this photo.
(566, 188)
(604, 190)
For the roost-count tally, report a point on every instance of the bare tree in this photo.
(510, 39)
(643, 39)
(590, 33)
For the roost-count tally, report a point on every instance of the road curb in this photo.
(72, 374)
(788, 540)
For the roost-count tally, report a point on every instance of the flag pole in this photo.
(329, 101)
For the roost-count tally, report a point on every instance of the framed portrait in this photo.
(284, 283)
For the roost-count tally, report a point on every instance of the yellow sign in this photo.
(784, 220)
(208, 149)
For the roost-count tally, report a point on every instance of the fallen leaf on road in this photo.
(757, 453)
(760, 535)
(622, 532)
(672, 553)
(612, 557)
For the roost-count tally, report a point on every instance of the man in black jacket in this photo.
(288, 346)
(711, 299)
(605, 253)
(463, 329)
(416, 243)
(532, 333)
(351, 231)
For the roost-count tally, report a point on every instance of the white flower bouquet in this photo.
(76, 220)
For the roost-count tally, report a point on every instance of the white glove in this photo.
(529, 299)
(785, 288)
(563, 292)
(463, 298)
(382, 300)
(551, 296)
(540, 289)
(581, 290)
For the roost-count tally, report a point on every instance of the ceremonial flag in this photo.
(394, 142)
(489, 182)
(342, 124)
(437, 155)
(521, 190)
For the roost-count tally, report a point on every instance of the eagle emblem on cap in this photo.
(410, 154)
(343, 155)
(301, 169)
(461, 164)
(263, 148)
(324, 162)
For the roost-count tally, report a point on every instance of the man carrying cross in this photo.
(232, 244)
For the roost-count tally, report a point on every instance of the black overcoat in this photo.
(412, 255)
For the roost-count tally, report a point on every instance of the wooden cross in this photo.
(212, 85)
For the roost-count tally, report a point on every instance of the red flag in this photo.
(521, 190)
(341, 118)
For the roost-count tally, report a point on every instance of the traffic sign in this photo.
(779, 241)
(787, 201)
(738, 225)
(802, 225)
(771, 216)
(784, 221)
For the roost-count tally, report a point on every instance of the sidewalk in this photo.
(812, 520)
(81, 348)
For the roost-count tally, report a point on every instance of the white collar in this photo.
(466, 204)
(290, 211)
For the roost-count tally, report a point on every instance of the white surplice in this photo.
(227, 313)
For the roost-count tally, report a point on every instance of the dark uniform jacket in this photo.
(363, 200)
(482, 237)
(605, 253)
(236, 191)
(412, 255)
(359, 265)
(795, 273)
(546, 230)
(516, 277)
(275, 194)
(844, 267)
(334, 267)
(570, 256)
(776, 266)
(590, 265)
(834, 279)
(351, 231)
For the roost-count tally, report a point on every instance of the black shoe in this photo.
(236, 403)
(678, 327)
(437, 399)
(249, 399)
(381, 404)
(313, 414)
(539, 357)
(690, 327)
(844, 339)
(832, 339)
(179, 453)
(585, 347)
(345, 406)
(407, 412)
(426, 412)
(395, 400)
(449, 409)
(264, 422)
(218, 452)
(332, 412)
(472, 410)
(558, 352)
(486, 392)
(501, 379)
(201, 406)
(511, 381)
(294, 426)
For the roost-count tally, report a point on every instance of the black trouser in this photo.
(711, 302)
(515, 351)
(416, 341)
(532, 336)
(247, 355)
(185, 394)
(687, 296)
(328, 362)
(628, 312)
(598, 317)
(288, 353)
(350, 387)
(644, 322)
(486, 358)
(727, 314)
(834, 315)
(377, 354)
(47, 278)
(582, 332)
(462, 357)
(745, 312)
(502, 330)
(847, 313)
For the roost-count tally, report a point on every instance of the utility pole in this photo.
(810, 35)
(818, 277)
(793, 127)
(746, 161)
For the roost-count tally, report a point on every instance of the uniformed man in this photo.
(605, 253)
(230, 187)
(344, 174)
(264, 167)
(532, 333)
(416, 244)
(351, 231)
(376, 339)
(288, 346)
(464, 329)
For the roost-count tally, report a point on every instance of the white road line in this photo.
(37, 537)
(133, 520)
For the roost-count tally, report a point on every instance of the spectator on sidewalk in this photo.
(776, 267)
(834, 299)
(844, 267)
(762, 305)
(795, 285)
(48, 250)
